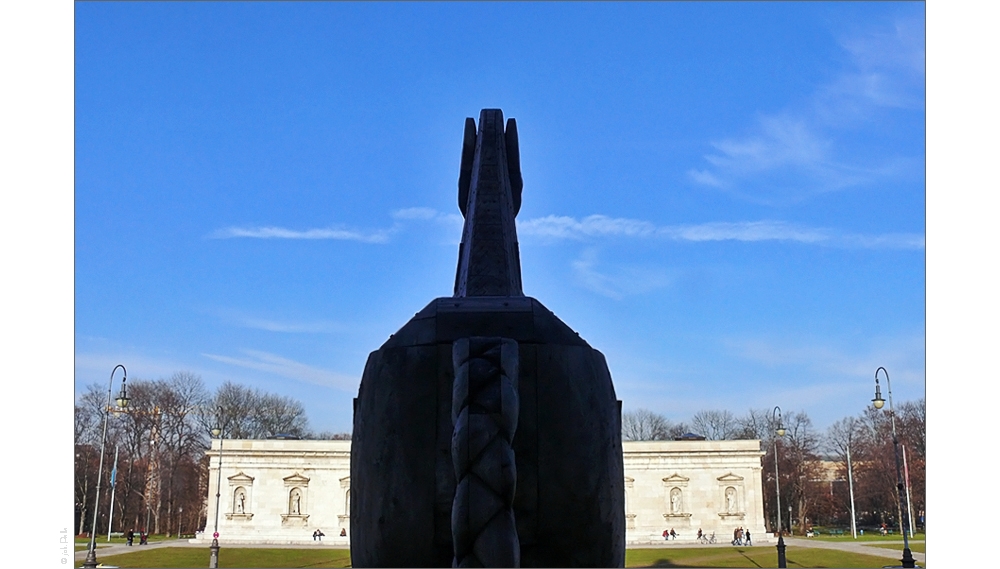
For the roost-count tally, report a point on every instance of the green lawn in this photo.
(749, 557)
(918, 536)
(170, 557)
(763, 556)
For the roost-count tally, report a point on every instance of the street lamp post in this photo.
(780, 431)
(122, 401)
(850, 482)
(213, 559)
(878, 402)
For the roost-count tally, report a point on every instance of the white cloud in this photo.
(317, 327)
(96, 366)
(797, 153)
(242, 319)
(596, 226)
(904, 355)
(415, 213)
(290, 369)
(339, 233)
(428, 214)
(564, 227)
(617, 281)
(379, 236)
(745, 231)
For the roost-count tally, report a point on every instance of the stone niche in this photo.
(296, 490)
(241, 494)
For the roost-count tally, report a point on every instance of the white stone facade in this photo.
(281, 491)
(289, 489)
(714, 486)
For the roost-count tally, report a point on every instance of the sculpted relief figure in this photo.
(675, 501)
(241, 499)
(730, 500)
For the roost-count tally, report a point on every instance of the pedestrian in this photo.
(699, 533)
(315, 535)
(319, 535)
(673, 534)
(129, 537)
(666, 535)
(739, 536)
(143, 537)
(736, 535)
(748, 537)
(343, 532)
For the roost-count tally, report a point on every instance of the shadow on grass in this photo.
(664, 563)
(747, 557)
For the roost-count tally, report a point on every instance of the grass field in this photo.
(749, 557)
(918, 536)
(171, 557)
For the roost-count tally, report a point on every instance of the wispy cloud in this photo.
(801, 151)
(563, 227)
(290, 369)
(596, 226)
(377, 236)
(317, 327)
(887, 71)
(619, 281)
(242, 319)
(96, 366)
(787, 159)
(905, 355)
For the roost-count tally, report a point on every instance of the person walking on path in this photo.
(673, 534)
(748, 537)
(129, 537)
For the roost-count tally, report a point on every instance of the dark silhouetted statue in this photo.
(486, 431)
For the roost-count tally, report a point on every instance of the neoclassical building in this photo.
(282, 491)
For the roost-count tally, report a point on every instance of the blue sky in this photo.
(726, 199)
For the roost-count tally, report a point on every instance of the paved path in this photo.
(863, 547)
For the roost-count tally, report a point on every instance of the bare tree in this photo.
(715, 425)
(182, 440)
(645, 425)
(162, 438)
(252, 414)
(756, 424)
(328, 436)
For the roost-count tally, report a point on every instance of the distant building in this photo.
(282, 491)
